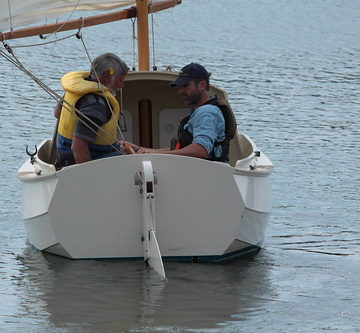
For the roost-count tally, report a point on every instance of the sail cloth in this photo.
(19, 13)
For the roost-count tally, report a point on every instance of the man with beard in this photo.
(202, 133)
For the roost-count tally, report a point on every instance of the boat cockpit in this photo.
(152, 111)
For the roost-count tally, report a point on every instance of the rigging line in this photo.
(64, 23)
(59, 98)
(17, 64)
(123, 124)
(121, 111)
(10, 16)
(75, 112)
(153, 41)
(79, 35)
(40, 44)
(44, 43)
(133, 37)
(52, 50)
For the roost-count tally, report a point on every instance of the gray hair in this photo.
(107, 62)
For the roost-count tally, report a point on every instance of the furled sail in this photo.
(18, 13)
(15, 14)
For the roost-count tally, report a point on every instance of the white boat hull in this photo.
(204, 210)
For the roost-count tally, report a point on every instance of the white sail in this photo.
(19, 13)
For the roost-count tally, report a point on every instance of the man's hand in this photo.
(144, 150)
(129, 147)
(57, 110)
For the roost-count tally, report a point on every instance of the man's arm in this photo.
(94, 108)
(80, 149)
(192, 150)
(138, 149)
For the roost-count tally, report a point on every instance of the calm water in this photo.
(292, 71)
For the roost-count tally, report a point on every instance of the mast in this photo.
(144, 108)
(143, 34)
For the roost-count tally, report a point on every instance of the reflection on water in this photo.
(122, 295)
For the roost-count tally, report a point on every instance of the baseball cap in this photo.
(189, 72)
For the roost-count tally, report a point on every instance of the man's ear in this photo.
(203, 84)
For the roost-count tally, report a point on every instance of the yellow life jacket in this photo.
(75, 87)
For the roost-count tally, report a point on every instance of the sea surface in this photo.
(292, 72)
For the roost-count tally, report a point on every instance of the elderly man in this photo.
(90, 112)
(202, 133)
